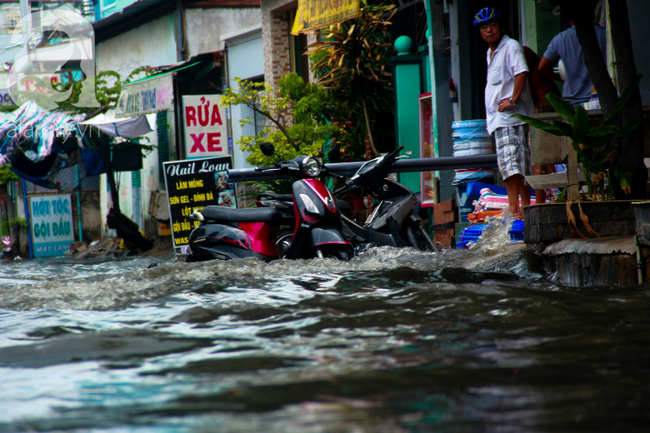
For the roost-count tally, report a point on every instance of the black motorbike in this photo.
(395, 220)
(310, 227)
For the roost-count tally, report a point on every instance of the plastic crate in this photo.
(474, 232)
(517, 231)
(470, 234)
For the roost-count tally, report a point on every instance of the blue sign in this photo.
(51, 224)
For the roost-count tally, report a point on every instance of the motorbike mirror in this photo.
(334, 154)
(267, 148)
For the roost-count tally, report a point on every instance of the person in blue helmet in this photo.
(507, 93)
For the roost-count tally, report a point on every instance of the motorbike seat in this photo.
(258, 214)
(274, 196)
(287, 199)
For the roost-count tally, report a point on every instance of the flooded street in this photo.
(392, 341)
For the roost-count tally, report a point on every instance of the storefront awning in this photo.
(127, 127)
(151, 94)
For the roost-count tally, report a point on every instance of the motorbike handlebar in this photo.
(372, 174)
(265, 168)
(394, 153)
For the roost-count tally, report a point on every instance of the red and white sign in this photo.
(206, 133)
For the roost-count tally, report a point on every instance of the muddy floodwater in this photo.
(392, 341)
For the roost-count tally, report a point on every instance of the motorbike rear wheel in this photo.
(283, 241)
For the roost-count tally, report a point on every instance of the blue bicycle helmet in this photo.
(486, 14)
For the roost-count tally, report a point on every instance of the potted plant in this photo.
(595, 146)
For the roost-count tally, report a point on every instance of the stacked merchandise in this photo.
(471, 138)
(492, 201)
(472, 234)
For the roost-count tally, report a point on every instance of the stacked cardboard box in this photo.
(444, 220)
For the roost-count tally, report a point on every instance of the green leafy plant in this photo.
(279, 186)
(295, 124)
(595, 146)
(68, 95)
(19, 222)
(6, 175)
(352, 61)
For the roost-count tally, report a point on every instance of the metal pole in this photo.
(434, 102)
(76, 173)
(29, 231)
(26, 20)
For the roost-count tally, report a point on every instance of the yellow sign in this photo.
(316, 14)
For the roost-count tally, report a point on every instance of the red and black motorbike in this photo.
(314, 221)
(395, 220)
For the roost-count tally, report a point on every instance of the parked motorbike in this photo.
(314, 220)
(393, 222)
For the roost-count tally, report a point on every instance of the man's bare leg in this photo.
(512, 185)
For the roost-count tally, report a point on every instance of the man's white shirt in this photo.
(507, 61)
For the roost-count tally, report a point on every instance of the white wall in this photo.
(151, 44)
(205, 27)
(240, 112)
(245, 60)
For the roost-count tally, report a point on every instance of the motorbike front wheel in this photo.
(285, 236)
(336, 253)
(418, 238)
(191, 258)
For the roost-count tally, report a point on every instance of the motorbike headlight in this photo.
(311, 166)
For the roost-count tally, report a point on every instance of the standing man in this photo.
(565, 46)
(506, 93)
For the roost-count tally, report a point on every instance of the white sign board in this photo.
(206, 132)
(148, 95)
(51, 224)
